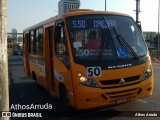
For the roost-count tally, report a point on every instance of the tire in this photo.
(35, 79)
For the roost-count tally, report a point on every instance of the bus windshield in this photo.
(104, 37)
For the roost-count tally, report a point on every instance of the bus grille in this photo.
(124, 93)
(120, 94)
(116, 81)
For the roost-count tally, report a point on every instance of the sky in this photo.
(25, 13)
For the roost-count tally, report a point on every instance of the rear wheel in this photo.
(35, 79)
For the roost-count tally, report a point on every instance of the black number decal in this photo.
(94, 71)
(90, 71)
(97, 71)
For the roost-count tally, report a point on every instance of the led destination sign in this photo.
(93, 23)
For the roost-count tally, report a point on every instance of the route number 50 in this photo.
(94, 71)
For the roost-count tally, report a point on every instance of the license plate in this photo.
(122, 100)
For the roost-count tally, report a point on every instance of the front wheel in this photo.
(64, 96)
(34, 77)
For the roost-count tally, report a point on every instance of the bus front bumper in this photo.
(88, 97)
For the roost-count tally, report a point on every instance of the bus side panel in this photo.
(37, 68)
(63, 76)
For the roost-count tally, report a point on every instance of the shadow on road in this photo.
(24, 91)
(30, 93)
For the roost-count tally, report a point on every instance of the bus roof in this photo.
(73, 12)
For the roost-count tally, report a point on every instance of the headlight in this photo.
(147, 73)
(87, 81)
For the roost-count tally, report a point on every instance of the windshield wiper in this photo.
(101, 50)
(121, 39)
(103, 39)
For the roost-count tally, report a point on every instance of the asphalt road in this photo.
(24, 91)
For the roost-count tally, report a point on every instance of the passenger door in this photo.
(50, 35)
(62, 69)
(49, 54)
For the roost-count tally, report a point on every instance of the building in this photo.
(65, 5)
(149, 38)
(14, 34)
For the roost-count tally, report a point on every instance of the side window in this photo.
(25, 42)
(39, 41)
(36, 41)
(32, 43)
(60, 43)
(60, 40)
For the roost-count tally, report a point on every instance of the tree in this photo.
(4, 96)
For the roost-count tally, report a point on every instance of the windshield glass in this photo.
(94, 37)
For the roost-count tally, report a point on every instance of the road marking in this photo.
(145, 102)
(142, 101)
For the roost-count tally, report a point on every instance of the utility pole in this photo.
(158, 53)
(4, 91)
(105, 5)
(137, 10)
